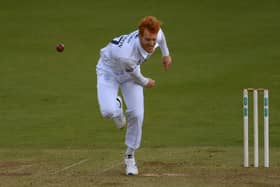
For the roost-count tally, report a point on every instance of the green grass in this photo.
(48, 99)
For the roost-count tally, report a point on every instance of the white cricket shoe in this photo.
(120, 120)
(131, 167)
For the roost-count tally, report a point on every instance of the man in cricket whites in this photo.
(119, 67)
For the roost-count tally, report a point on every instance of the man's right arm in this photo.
(135, 72)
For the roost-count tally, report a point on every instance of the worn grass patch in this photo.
(192, 166)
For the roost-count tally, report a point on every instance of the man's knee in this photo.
(135, 114)
(107, 113)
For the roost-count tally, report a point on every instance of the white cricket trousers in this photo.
(108, 84)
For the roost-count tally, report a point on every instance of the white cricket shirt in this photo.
(125, 53)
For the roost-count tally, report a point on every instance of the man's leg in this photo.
(134, 99)
(110, 105)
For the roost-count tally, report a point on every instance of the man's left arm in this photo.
(166, 58)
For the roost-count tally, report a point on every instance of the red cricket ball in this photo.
(60, 47)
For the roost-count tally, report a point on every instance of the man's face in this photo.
(148, 41)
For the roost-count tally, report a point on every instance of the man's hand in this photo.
(151, 83)
(166, 61)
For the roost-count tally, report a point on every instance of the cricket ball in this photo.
(60, 47)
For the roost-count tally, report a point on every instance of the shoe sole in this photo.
(119, 99)
(131, 174)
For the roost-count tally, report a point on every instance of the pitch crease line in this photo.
(164, 175)
(21, 168)
(113, 165)
(71, 166)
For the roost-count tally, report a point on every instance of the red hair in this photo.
(151, 23)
